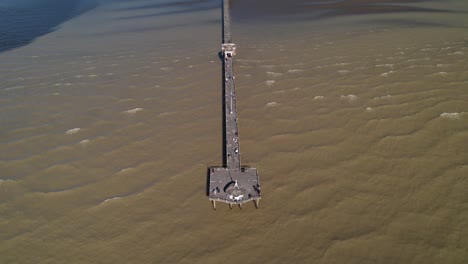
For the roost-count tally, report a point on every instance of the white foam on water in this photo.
(443, 74)
(271, 104)
(84, 142)
(386, 74)
(295, 71)
(13, 88)
(166, 114)
(349, 97)
(369, 109)
(343, 71)
(452, 116)
(166, 69)
(270, 82)
(418, 59)
(387, 65)
(459, 53)
(319, 97)
(274, 74)
(73, 131)
(133, 111)
(280, 91)
(387, 96)
(112, 199)
(125, 170)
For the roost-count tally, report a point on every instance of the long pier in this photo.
(232, 183)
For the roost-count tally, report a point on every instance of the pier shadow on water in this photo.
(223, 143)
(21, 22)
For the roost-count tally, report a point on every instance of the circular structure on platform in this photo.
(232, 189)
(236, 191)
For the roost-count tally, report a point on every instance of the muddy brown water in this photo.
(358, 125)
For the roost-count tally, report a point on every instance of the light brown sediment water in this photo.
(358, 126)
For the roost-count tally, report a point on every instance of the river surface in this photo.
(354, 112)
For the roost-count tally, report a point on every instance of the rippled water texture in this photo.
(354, 112)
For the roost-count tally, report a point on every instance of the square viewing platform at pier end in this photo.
(233, 186)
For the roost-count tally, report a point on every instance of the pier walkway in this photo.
(231, 184)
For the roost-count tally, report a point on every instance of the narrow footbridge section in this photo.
(232, 183)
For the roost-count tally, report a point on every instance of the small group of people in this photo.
(257, 188)
(216, 190)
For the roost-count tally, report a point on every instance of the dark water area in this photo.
(21, 22)
(323, 9)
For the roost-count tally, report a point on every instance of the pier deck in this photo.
(231, 184)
